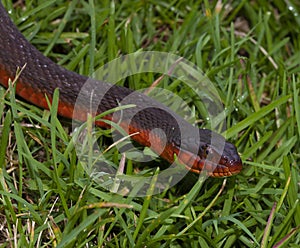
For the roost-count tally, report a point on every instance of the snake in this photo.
(199, 150)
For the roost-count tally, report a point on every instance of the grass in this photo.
(249, 50)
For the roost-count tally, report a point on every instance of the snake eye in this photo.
(206, 151)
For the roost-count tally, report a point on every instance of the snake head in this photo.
(213, 155)
(216, 163)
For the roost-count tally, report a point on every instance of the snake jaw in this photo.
(210, 162)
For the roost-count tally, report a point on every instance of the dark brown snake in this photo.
(41, 77)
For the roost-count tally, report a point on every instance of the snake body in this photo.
(42, 76)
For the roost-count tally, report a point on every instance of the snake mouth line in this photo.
(199, 165)
(213, 169)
